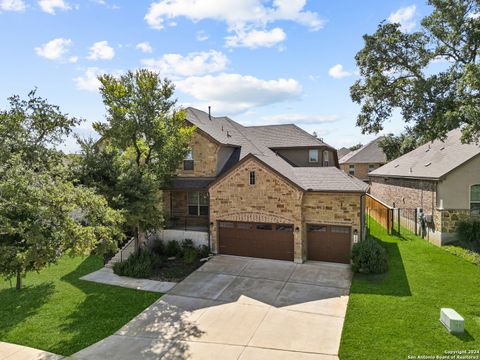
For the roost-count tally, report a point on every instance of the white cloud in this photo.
(145, 47)
(405, 17)
(12, 5)
(299, 119)
(338, 72)
(244, 16)
(197, 63)
(256, 38)
(89, 81)
(73, 59)
(201, 36)
(101, 51)
(235, 93)
(54, 49)
(49, 6)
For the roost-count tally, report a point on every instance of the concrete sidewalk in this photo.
(18, 352)
(106, 276)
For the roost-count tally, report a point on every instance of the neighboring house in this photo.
(342, 152)
(442, 178)
(264, 191)
(361, 162)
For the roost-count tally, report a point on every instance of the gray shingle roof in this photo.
(255, 141)
(370, 153)
(342, 152)
(432, 160)
(190, 184)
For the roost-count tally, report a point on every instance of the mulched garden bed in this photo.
(174, 270)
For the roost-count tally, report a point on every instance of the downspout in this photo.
(362, 215)
(209, 231)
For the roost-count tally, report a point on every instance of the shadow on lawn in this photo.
(105, 310)
(393, 283)
(18, 305)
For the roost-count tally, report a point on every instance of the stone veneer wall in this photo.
(361, 170)
(205, 155)
(274, 200)
(451, 218)
(270, 200)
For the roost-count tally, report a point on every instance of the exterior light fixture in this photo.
(297, 229)
(355, 236)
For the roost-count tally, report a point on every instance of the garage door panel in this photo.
(329, 243)
(263, 240)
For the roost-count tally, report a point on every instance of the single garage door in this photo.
(270, 241)
(329, 243)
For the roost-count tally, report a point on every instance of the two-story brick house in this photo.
(264, 191)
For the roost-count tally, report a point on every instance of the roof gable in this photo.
(369, 153)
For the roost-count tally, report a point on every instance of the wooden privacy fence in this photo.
(380, 212)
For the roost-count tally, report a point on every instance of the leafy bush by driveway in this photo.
(369, 257)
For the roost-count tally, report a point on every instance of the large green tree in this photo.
(397, 71)
(145, 137)
(43, 213)
(395, 146)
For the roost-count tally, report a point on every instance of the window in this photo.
(227, 225)
(313, 155)
(475, 199)
(371, 167)
(341, 229)
(286, 228)
(188, 161)
(198, 203)
(244, 226)
(325, 158)
(351, 169)
(264, 227)
(316, 228)
(252, 178)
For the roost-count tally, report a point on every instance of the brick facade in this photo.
(361, 169)
(205, 156)
(274, 200)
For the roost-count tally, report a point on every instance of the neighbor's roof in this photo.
(254, 141)
(190, 184)
(370, 153)
(342, 152)
(432, 160)
(328, 178)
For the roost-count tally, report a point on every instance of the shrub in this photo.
(187, 244)
(173, 249)
(158, 248)
(369, 257)
(465, 254)
(203, 251)
(139, 265)
(190, 255)
(469, 230)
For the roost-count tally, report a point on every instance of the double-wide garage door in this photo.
(270, 241)
(330, 243)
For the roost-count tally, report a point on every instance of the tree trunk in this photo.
(140, 238)
(19, 281)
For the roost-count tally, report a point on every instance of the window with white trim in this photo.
(188, 161)
(313, 155)
(198, 203)
(371, 167)
(351, 169)
(325, 157)
(253, 178)
(475, 199)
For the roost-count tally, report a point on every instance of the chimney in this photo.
(209, 112)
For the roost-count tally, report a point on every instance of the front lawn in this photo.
(57, 312)
(395, 315)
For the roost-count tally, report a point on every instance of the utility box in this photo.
(452, 320)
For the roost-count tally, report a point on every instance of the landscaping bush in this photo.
(203, 251)
(469, 230)
(187, 244)
(158, 248)
(190, 255)
(369, 257)
(465, 254)
(173, 249)
(139, 265)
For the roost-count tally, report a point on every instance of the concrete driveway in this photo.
(239, 308)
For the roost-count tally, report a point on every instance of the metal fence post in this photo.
(398, 210)
(416, 219)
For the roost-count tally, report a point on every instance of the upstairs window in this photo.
(188, 161)
(313, 155)
(253, 178)
(371, 167)
(475, 199)
(198, 203)
(351, 169)
(325, 158)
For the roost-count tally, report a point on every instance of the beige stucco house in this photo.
(361, 162)
(264, 191)
(442, 178)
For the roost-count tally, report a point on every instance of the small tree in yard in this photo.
(43, 214)
(146, 137)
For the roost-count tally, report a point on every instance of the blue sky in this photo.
(259, 62)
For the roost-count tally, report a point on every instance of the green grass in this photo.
(57, 312)
(397, 314)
